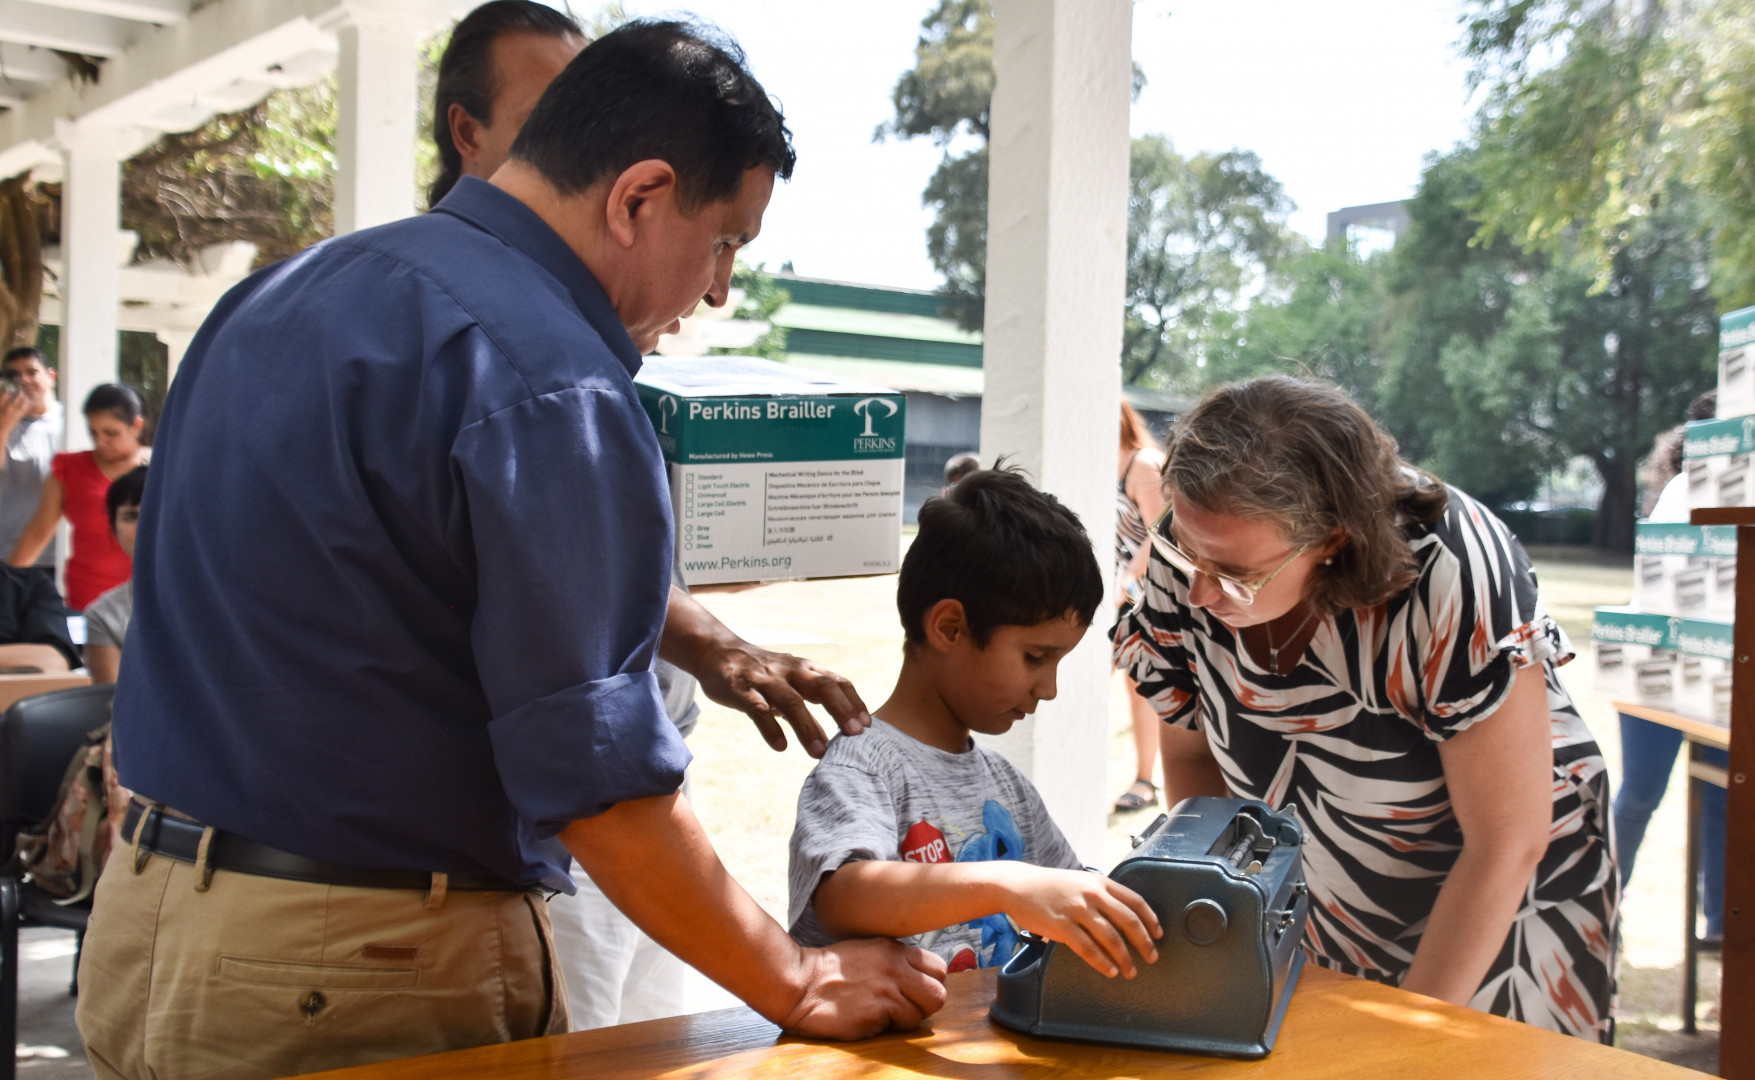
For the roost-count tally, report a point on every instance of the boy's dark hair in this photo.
(125, 490)
(118, 399)
(960, 466)
(1013, 556)
(657, 90)
(23, 352)
(467, 76)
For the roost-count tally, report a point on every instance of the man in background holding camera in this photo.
(31, 422)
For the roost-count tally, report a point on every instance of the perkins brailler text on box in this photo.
(777, 472)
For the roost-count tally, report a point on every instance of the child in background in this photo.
(106, 619)
(912, 831)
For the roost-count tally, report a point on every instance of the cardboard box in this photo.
(1665, 661)
(1736, 363)
(777, 472)
(1635, 655)
(1703, 669)
(1685, 569)
(1715, 455)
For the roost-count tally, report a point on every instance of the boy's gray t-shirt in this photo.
(885, 795)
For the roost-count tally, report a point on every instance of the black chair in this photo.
(38, 737)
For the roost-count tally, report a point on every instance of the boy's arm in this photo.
(1089, 913)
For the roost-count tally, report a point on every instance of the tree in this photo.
(264, 174)
(1200, 229)
(23, 210)
(1597, 110)
(1323, 314)
(948, 96)
(762, 297)
(1502, 364)
(1200, 233)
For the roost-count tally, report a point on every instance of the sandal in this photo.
(1131, 799)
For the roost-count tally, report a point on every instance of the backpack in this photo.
(64, 853)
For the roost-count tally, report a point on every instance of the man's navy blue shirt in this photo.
(404, 555)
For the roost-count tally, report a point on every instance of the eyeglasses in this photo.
(1243, 592)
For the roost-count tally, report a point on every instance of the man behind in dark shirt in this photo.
(401, 576)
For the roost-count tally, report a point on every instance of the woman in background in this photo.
(1138, 500)
(116, 417)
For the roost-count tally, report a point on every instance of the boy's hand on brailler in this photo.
(1088, 913)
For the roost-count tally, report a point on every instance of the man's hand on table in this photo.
(763, 684)
(857, 989)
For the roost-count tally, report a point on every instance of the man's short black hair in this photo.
(649, 90)
(23, 352)
(1013, 556)
(125, 490)
(467, 76)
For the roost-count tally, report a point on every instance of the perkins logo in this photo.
(869, 441)
(666, 409)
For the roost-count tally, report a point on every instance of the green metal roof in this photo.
(950, 380)
(840, 320)
(845, 294)
(896, 337)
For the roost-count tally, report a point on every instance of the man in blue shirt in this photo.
(500, 59)
(401, 575)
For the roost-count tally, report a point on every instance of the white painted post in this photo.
(1056, 272)
(375, 121)
(91, 214)
(176, 343)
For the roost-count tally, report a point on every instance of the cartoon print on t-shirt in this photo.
(925, 843)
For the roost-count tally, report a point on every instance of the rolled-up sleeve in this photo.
(570, 526)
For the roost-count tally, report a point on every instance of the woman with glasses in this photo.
(1325, 625)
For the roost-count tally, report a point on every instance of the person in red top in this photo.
(115, 416)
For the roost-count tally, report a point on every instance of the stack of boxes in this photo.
(1671, 649)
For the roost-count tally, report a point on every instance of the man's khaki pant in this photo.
(256, 977)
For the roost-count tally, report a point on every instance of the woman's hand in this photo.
(1500, 774)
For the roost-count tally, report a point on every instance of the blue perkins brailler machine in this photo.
(1226, 879)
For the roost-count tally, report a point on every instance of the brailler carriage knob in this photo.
(1203, 921)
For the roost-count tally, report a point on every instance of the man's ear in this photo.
(465, 133)
(946, 625)
(632, 197)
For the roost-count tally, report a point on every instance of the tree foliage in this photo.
(265, 175)
(762, 297)
(1598, 110)
(1201, 231)
(947, 96)
(1491, 364)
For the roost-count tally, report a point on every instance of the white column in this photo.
(1056, 269)
(375, 121)
(176, 343)
(91, 215)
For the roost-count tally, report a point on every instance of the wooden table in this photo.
(1337, 1028)
(17, 687)
(1697, 733)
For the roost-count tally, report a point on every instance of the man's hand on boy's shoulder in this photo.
(865, 987)
(767, 686)
(1093, 915)
(761, 683)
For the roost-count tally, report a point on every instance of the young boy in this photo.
(912, 831)
(106, 619)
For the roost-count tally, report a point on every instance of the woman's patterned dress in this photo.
(1351, 736)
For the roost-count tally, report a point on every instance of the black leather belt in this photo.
(179, 838)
